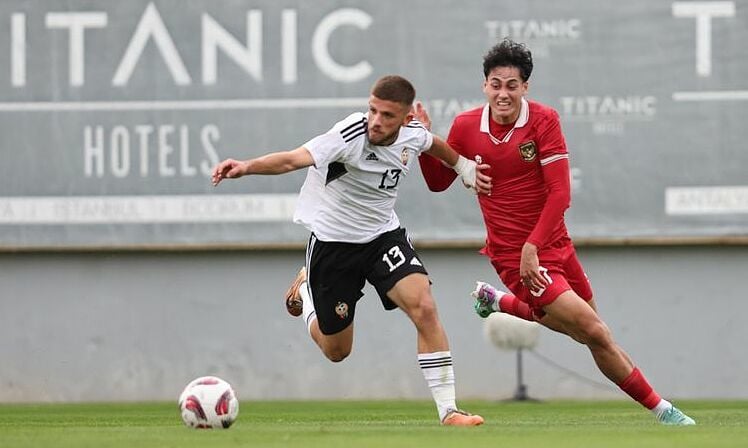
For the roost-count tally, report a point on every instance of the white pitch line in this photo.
(277, 103)
(724, 95)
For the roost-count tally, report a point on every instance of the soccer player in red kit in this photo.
(527, 240)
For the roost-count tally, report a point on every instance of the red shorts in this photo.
(561, 268)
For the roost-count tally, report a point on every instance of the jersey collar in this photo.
(524, 116)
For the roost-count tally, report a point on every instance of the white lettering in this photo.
(289, 57)
(18, 50)
(703, 12)
(151, 26)
(144, 132)
(115, 151)
(321, 55)
(643, 106)
(185, 169)
(534, 29)
(208, 136)
(248, 58)
(93, 152)
(76, 22)
(164, 151)
(120, 151)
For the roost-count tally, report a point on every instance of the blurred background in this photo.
(124, 274)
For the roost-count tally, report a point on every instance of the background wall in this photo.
(124, 274)
(123, 108)
(138, 326)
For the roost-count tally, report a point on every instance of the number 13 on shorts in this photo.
(394, 257)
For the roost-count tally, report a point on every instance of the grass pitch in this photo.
(387, 424)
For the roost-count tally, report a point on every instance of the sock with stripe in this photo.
(439, 374)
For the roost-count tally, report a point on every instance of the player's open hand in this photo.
(228, 169)
(421, 114)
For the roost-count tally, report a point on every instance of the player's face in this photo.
(504, 90)
(385, 119)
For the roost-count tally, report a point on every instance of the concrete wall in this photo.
(138, 326)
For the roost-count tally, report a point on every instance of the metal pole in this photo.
(521, 393)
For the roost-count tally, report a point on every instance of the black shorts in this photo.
(337, 272)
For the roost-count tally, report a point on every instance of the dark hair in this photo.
(508, 53)
(394, 88)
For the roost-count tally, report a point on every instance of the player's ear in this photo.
(409, 116)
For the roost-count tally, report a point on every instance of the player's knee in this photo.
(423, 309)
(336, 354)
(595, 334)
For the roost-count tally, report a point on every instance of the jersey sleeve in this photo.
(439, 177)
(333, 145)
(551, 142)
(554, 162)
(423, 137)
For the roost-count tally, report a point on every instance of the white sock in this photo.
(307, 311)
(440, 376)
(661, 407)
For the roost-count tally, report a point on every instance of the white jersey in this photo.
(349, 194)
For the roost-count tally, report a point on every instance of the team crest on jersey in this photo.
(528, 151)
(404, 156)
(341, 309)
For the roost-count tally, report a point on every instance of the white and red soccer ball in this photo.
(208, 402)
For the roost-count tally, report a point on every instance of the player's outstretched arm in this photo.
(273, 163)
(468, 170)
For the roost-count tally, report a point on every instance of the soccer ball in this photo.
(208, 402)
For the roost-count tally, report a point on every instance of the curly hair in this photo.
(508, 53)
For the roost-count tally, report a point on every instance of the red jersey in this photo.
(529, 170)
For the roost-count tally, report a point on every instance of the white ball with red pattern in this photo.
(208, 402)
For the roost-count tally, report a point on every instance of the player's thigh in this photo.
(571, 312)
(392, 260)
(412, 293)
(336, 281)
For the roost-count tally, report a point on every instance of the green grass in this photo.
(386, 424)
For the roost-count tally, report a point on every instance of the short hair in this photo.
(394, 88)
(508, 53)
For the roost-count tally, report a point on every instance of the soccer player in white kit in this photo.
(347, 203)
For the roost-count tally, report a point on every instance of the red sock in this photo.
(510, 304)
(639, 389)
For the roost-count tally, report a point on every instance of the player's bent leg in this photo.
(412, 294)
(582, 323)
(336, 347)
